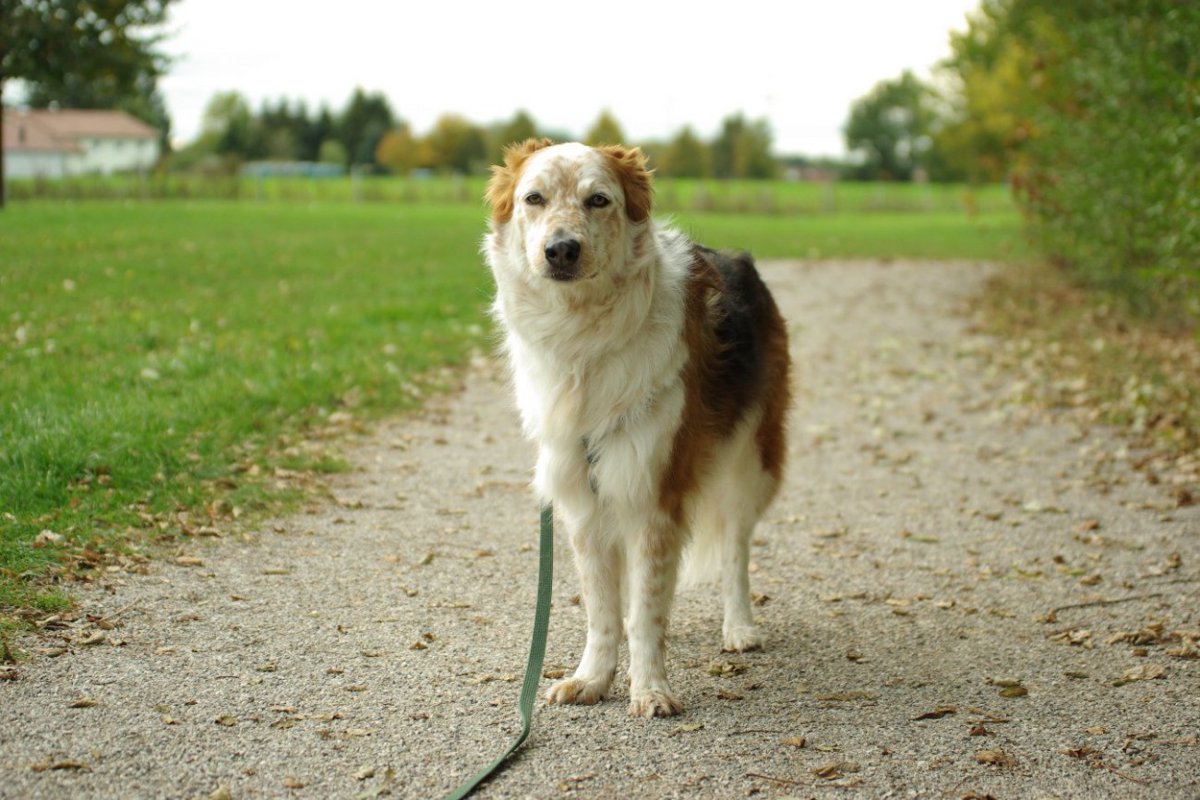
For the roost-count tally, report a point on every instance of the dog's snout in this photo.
(563, 255)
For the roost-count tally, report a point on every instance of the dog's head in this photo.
(568, 212)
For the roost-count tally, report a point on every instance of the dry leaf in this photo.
(794, 741)
(227, 720)
(1143, 672)
(937, 713)
(845, 697)
(995, 757)
(83, 702)
(726, 668)
(835, 770)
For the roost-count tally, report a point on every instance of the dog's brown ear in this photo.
(630, 169)
(504, 177)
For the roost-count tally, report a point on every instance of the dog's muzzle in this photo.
(562, 255)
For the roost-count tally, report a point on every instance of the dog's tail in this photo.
(702, 558)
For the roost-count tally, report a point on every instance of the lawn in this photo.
(162, 364)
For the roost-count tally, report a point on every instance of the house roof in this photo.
(60, 131)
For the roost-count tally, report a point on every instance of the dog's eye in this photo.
(534, 199)
(597, 201)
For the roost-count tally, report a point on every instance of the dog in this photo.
(653, 375)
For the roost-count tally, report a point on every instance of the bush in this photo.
(1110, 174)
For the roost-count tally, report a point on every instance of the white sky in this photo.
(656, 64)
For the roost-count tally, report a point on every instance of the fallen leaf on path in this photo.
(794, 741)
(723, 668)
(937, 713)
(835, 769)
(226, 720)
(65, 764)
(995, 758)
(83, 702)
(1143, 672)
(845, 697)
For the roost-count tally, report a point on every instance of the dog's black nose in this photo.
(563, 255)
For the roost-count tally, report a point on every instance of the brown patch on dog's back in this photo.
(629, 166)
(738, 362)
(505, 176)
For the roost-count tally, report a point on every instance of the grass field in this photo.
(161, 362)
(672, 195)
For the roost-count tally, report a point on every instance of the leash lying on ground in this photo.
(537, 650)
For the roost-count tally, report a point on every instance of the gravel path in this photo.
(962, 598)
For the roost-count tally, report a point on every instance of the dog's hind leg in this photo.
(739, 633)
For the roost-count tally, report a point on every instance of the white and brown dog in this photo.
(653, 375)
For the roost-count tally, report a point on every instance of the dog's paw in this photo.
(577, 691)
(651, 703)
(743, 639)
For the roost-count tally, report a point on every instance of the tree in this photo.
(456, 145)
(364, 122)
(68, 43)
(743, 149)
(890, 128)
(517, 129)
(685, 156)
(398, 150)
(991, 75)
(605, 130)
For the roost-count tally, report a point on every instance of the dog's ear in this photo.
(504, 177)
(630, 169)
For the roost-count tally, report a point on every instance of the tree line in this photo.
(367, 135)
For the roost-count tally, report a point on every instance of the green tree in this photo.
(67, 44)
(685, 156)
(605, 130)
(991, 72)
(364, 122)
(1092, 105)
(517, 129)
(742, 149)
(890, 128)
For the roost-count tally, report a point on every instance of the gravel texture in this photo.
(936, 548)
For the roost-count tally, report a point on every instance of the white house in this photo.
(56, 144)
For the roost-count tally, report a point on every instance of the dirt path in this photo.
(909, 577)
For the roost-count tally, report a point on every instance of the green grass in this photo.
(933, 235)
(672, 195)
(157, 356)
(167, 357)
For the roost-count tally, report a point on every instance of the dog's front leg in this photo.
(599, 561)
(653, 564)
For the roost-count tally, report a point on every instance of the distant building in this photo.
(57, 144)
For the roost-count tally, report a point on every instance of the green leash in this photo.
(537, 650)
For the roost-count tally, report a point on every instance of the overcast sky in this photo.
(656, 65)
